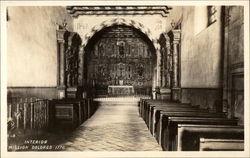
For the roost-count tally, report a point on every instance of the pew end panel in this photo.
(188, 137)
(208, 144)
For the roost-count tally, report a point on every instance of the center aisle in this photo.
(116, 126)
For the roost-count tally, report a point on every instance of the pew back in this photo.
(189, 134)
(161, 121)
(208, 144)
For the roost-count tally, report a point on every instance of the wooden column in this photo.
(175, 64)
(81, 66)
(61, 62)
(169, 63)
(165, 90)
(158, 67)
(175, 57)
(62, 86)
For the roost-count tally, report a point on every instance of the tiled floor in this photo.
(114, 127)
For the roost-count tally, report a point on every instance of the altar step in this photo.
(117, 101)
(122, 99)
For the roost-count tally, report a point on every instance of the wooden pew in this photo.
(161, 118)
(148, 107)
(70, 111)
(144, 105)
(171, 132)
(148, 104)
(155, 109)
(208, 144)
(152, 109)
(64, 113)
(188, 135)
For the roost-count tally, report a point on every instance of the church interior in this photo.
(125, 78)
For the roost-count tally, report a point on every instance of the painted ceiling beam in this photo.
(75, 11)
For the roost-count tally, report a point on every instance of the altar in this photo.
(115, 90)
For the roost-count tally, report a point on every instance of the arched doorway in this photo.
(119, 61)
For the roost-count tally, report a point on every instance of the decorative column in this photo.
(81, 65)
(72, 65)
(165, 89)
(61, 62)
(81, 79)
(169, 67)
(158, 67)
(156, 88)
(175, 79)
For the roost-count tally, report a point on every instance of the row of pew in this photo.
(70, 113)
(184, 127)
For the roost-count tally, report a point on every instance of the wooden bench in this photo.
(70, 111)
(155, 111)
(174, 131)
(188, 137)
(208, 144)
(161, 119)
(148, 107)
(144, 102)
(64, 113)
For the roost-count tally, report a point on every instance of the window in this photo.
(204, 16)
(211, 14)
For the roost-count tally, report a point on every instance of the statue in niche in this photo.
(140, 70)
(121, 48)
(116, 80)
(100, 50)
(96, 51)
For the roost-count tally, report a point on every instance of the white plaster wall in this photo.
(31, 45)
(201, 53)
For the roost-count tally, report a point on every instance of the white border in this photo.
(4, 152)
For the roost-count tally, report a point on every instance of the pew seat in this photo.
(161, 119)
(149, 110)
(171, 130)
(189, 135)
(155, 111)
(70, 112)
(209, 144)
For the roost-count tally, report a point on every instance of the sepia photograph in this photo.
(122, 78)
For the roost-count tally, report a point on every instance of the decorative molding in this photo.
(76, 11)
(125, 22)
(237, 65)
(176, 35)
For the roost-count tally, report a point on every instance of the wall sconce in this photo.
(61, 26)
(64, 23)
(172, 24)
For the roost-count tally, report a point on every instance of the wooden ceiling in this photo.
(75, 11)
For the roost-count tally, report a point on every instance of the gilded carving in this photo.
(121, 59)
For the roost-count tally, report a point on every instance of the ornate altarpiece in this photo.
(120, 57)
